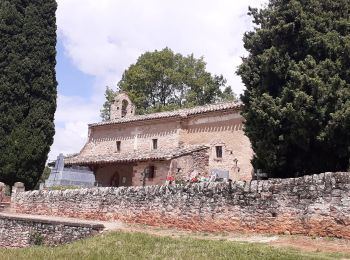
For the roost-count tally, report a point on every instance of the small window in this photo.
(218, 151)
(118, 146)
(155, 144)
(150, 172)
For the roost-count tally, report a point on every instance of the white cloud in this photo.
(73, 108)
(71, 119)
(102, 38)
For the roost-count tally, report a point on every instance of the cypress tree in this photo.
(297, 75)
(28, 88)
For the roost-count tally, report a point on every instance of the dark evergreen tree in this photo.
(297, 75)
(27, 88)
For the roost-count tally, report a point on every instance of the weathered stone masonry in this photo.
(312, 205)
(16, 231)
(121, 150)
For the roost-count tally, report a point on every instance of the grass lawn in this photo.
(119, 245)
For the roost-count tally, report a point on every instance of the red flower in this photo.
(194, 179)
(170, 178)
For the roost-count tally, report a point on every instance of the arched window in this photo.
(125, 104)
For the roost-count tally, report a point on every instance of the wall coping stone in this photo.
(235, 186)
(52, 220)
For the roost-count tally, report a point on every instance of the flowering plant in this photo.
(170, 178)
(194, 179)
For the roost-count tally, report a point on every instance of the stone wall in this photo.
(196, 163)
(161, 169)
(135, 136)
(217, 128)
(114, 174)
(18, 231)
(226, 130)
(311, 205)
(131, 174)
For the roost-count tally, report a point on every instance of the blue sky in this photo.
(98, 40)
(71, 81)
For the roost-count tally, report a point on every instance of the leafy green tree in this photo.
(164, 80)
(27, 88)
(105, 112)
(297, 78)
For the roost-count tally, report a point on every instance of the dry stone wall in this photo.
(16, 231)
(311, 205)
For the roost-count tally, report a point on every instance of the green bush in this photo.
(36, 239)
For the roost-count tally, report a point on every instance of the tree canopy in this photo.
(27, 88)
(163, 80)
(297, 78)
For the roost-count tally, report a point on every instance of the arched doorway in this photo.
(115, 180)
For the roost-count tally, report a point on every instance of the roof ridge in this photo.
(183, 112)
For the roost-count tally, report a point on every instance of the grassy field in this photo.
(118, 245)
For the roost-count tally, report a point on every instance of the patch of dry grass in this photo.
(121, 245)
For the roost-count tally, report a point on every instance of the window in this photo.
(118, 146)
(150, 172)
(218, 151)
(155, 144)
(125, 104)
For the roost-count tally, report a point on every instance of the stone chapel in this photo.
(134, 150)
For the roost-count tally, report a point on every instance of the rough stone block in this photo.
(317, 205)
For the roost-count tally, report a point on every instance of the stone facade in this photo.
(196, 163)
(180, 168)
(103, 139)
(114, 175)
(122, 107)
(129, 144)
(223, 129)
(310, 205)
(18, 231)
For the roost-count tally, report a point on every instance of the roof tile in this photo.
(161, 154)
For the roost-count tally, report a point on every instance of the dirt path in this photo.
(304, 243)
(329, 245)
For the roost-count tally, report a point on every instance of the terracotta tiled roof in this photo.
(175, 113)
(133, 156)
